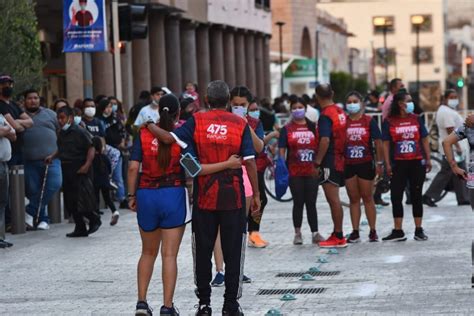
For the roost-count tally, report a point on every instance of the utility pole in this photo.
(116, 51)
(280, 26)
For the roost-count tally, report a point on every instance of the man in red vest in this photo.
(330, 159)
(219, 199)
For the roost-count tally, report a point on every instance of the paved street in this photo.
(45, 273)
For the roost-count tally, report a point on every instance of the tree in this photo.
(342, 83)
(20, 48)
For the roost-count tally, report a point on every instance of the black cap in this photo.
(6, 78)
(169, 103)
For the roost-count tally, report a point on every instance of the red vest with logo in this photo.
(218, 135)
(358, 141)
(152, 175)
(406, 136)
(339, 120)
(302, 145)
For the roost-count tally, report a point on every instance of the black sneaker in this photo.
(93, 227)
(379, 201)
(373, 237)
(396, 235)
(143, 309)
(5, 244)
(173, 311)
(429, 201)
(420, 234)
(238, 312)
(354, 237)
(246, 279)
(204, 310)
(77, 233)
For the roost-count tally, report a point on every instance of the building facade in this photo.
(188, 41)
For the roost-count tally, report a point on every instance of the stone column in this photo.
(203, 58)
(250, 62)
(188, 52)
(229, 58)
(126, 63)
(259, 65)
(266, 67)
(240, 71)
(74, 77)
(103, 73)
(217, 54)
(156, 35)
(141, 65)
(173, 55)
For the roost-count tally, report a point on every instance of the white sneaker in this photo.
(43, 226)
(29, 220)
(115, 218)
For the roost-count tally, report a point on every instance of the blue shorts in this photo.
(162, 208)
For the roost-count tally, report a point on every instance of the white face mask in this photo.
(453, 103)
(89, 112)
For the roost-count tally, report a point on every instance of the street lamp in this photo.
(417, 21)
(280, 26)
(384, 24)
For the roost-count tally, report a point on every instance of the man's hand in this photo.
(84, 169)
(470, 121)
(459, 172)
(428, 165)
(48, 160)
(234, 162)
(255, 205)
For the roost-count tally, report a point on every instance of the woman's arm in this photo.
(379, 156)
(257, 142)
(132, 181)
(426, 147)
(270, 136)
(386, 154)
(234, 162)
(448, 143)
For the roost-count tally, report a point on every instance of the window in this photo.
(380, 56)
(259, 3)
(426, 55)
(266, 4)
(425, 26)
(383, 22)
(262, 4)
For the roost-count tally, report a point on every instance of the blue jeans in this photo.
(118, 180)
(34, 175)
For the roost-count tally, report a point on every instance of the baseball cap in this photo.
(6, 78)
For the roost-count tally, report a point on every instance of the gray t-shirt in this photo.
(5, 146)
(40, 140)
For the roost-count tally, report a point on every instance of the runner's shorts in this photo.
(163, 208)
(364, 171)
(330, 175)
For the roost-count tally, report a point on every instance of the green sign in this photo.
(303, 68)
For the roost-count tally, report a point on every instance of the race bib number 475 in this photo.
(217, 131)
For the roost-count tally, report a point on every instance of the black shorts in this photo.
(330, 175)
(364, 171)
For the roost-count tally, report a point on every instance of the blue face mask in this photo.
(410, 107)
(298, 114)
(77, 120)
(353, 108)
(114, 108)
(254, 114)
(239, 110)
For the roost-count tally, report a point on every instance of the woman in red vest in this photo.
(298, 142)
(362, 135)
(407, 159)
(161, 203)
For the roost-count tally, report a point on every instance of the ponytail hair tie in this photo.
(167, 109)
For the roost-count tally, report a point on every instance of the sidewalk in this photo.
(45, 273)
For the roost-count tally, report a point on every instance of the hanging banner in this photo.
(84, 26)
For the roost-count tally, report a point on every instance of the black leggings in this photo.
(107, 199)
(304, 191)
(413, 172)
(253, 225)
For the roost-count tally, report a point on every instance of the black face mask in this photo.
(7, 92)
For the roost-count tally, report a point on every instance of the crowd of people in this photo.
(179, 159)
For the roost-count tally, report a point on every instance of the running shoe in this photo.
(5, 244)
(170, 311)
(234, 312)
(317, 238)
(298, 240)
(396, 235)
(379, 201)
(143, 309)
(256, 241)
(94, 226)
(420, 234)
(429, 201)
(43, 226)
(115, 218)
(218, 280)
(354, 237)
(246, 279)
(373, 237)
(334, 242)
(204, 310)
(29, 220)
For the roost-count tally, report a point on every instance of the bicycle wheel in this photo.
(269, 177)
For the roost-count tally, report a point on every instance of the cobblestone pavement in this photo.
(45, 273)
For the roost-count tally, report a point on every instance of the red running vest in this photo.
(406, 136)
(339, 119)
(152, 176)
(302, 148)
(358, 141)
(218, 135)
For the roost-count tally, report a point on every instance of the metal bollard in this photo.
(17, 199)
(54, 208)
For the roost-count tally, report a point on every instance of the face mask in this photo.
(286, 104)
(410, 107)
(7, 92)
(239, 110)
(66, 126)
(453, 103)
(298, 114)
(353, 108)
(83, 7)
(105, 115)
(155, 103)
(77, 120)
(254, 114)
(89, 112)
(114, 108)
